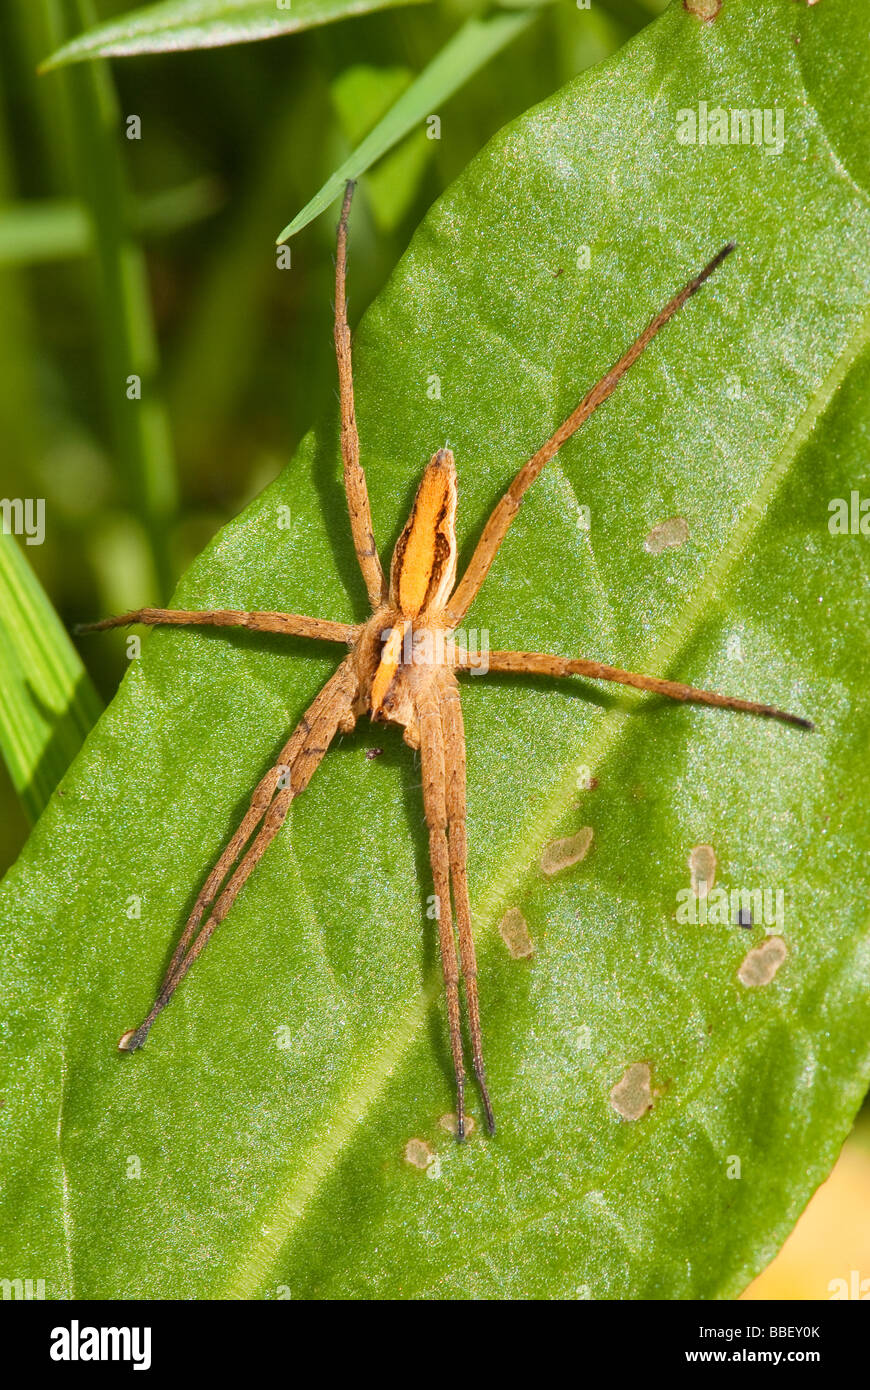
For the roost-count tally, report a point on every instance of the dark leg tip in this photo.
(460, 1109)
(487, 1103)
(796, 720)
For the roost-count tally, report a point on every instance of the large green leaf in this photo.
(257, 1146)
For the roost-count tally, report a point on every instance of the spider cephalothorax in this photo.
(401, 669)
(413, 627)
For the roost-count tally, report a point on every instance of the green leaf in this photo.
(257, 1145)
(47, 701)
(465, 54)
(175, 25)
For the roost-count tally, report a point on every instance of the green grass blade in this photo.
(51, 230)
(57, 229)
(182, 24)
(467, 52)
(47, 701)
(144, 448)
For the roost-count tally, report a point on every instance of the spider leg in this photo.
(506, 509)
(332, 709)
(354, 477)
(264, 794)
(540, 664)
(435, 809)
(290, 624)
(454, 758)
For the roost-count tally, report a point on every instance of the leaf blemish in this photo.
(514, 931)
(707, 10)
(561, 854)
(761, 963)
(451, 1124)
(702, 867)
(632, 1095)
(668, 535)
(418, 1153)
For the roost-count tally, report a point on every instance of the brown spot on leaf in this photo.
(702, 867)
(632, 1095)
(668, 535)
(451, 1124)
(761, 963)
(704, 9)
(418, 1153)
(561, 854)
(514, 931)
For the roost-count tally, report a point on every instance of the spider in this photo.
(401, 669)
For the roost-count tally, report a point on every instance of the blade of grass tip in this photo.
(174, 208)
(465, 54)
(47, 702)
(175, 25)
(130, 349)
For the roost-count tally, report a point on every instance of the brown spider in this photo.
(401, 670)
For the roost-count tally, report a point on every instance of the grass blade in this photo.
(467, 52)
(183, 24)
(47, 702)
(57, 229)
(144, 447)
